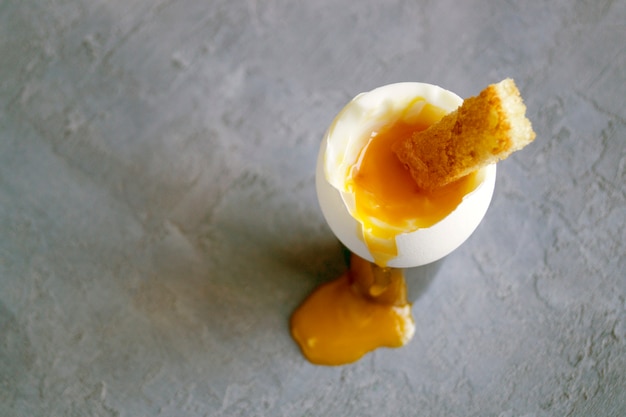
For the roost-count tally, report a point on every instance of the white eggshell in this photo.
(339, 150)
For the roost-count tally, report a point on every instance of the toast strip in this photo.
(483, 130)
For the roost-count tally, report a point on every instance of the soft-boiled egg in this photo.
(430, 225)
(374, 207)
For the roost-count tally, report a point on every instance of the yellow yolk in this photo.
(364, 309)
(388, 202)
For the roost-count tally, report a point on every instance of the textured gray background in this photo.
(158, 220)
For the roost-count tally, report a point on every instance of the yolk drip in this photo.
(388, 202)
(362, 310)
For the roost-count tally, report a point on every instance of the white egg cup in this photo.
(346, 137)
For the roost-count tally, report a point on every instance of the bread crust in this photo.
(483, 130)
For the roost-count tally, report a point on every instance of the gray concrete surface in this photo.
(158, 220)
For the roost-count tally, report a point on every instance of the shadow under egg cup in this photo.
(423, 249)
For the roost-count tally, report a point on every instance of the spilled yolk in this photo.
(388, 201)
(364, 309)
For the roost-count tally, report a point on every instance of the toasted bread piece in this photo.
(483, 130)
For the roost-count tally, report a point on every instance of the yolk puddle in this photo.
(364, 309)
(388, 202)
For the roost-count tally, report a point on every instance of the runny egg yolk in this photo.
(366, 308)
